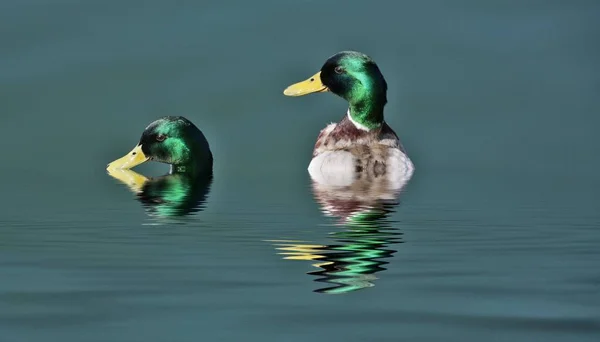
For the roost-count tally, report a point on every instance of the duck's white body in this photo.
(345, 152)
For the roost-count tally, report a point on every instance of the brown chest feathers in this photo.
(369, 148)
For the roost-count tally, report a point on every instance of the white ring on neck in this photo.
(356, 124)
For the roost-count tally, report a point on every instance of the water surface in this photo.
(494, 238)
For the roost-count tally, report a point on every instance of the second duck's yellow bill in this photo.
(311, 85)
(131, 159)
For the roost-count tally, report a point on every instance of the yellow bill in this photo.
(131, 159)
(133, 180)
(311, 85)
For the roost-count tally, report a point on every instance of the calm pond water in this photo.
(495, 237)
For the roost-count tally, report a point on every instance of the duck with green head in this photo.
(361, 145)
(173, 140)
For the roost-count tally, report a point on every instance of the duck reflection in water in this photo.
(170, 195)
(359, 251)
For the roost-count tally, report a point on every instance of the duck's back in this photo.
(344, 153)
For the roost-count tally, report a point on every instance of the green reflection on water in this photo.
(172, 195)
(360, 248)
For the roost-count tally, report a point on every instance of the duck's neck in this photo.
(193, 156)
(180, 169)
(366, 111)
(194, 167)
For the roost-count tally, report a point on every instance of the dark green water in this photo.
(495, 238)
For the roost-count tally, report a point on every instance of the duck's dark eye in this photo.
(161, 137)
(339, 70)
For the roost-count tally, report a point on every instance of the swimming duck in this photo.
(361, 145)
(173, 140)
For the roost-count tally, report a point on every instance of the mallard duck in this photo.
(361, 145)
(173, 140)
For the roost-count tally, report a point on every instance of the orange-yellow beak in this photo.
(311, 85)
(131, 159)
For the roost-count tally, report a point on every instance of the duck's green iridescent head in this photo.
(172, 140)
(355, 77)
